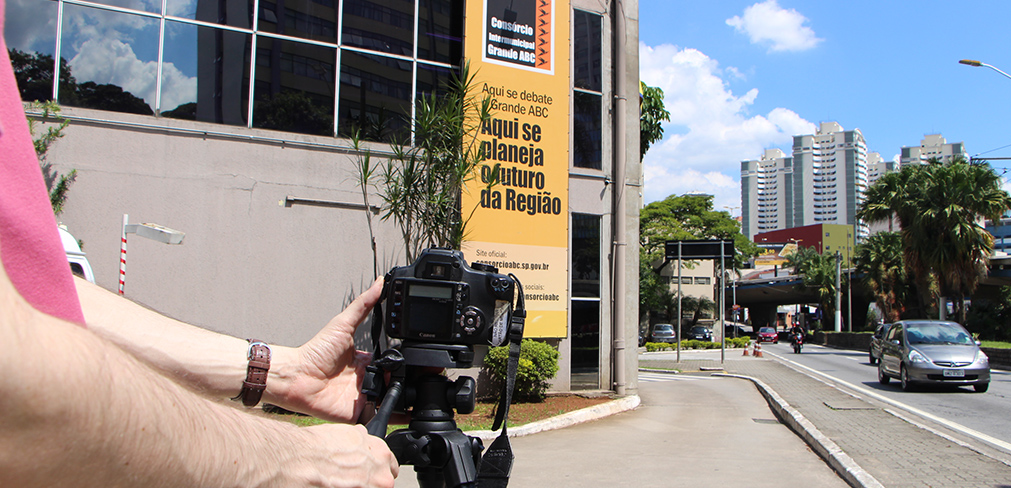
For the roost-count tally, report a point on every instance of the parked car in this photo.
(78, 261)
(932, 352)
(700, 333)
(663, 333)
(738, 331)
(874, 350)
(767, 334)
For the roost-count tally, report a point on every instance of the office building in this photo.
(229, 120)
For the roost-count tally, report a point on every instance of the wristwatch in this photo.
(256, 373)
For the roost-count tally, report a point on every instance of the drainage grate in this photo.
(848, 404)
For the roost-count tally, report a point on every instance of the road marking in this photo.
(656, 377)
(945, 422)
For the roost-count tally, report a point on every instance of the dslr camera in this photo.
(439, 299)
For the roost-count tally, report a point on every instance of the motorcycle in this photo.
(798, 343)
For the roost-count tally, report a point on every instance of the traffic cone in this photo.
(758, 349)
(746, 349)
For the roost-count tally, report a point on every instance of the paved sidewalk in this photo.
(687, 432)
(881, 448)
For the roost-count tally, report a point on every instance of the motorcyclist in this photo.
(796, 332)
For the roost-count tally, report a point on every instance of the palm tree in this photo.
(898, 195)
(939, 206)
(819, 275)
(960, 253)
(879, 260)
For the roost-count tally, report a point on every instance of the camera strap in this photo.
(497, 461)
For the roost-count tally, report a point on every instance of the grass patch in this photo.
(484, 413)
(996, 344)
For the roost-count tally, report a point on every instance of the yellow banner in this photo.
(520, 51)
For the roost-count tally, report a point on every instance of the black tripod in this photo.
(442, 455)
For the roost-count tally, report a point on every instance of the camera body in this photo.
(440, 299)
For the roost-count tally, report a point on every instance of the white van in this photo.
(79, 264)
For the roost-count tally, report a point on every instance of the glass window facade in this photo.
(585, 304)
(304, 64)
(587, 116)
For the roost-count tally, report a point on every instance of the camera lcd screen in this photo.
(430, 308)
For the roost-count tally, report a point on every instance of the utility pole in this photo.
(849, 288)
(838, 291)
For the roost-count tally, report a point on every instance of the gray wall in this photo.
(248, 266)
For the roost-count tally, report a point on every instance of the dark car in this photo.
(663, 333)
(767, 334)
(874, 351)
(932, 352)
(700, 333)
(738, 331)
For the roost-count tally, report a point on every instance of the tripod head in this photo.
(442, 455)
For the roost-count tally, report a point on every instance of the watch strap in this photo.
(255, 383)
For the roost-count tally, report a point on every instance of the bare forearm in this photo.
(210, 363)
(79, 411)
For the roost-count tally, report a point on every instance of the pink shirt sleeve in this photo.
(30, 247)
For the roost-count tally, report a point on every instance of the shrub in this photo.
(694, 344)
(538, 363)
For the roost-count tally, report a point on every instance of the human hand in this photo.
(323, 377)
(343, 455)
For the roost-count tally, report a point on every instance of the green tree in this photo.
(938, 206)
(819, 275)
(681, 217)
(652, 115)
(420, 185)
(879, 260)
(57, 184)
(697, 306)
(34, 74)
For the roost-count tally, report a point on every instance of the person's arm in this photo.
(321, 378)
(79, 411)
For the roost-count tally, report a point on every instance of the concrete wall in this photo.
(249, 265)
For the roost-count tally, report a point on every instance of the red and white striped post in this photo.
(122, 256)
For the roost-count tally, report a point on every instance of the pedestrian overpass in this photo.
(763, 296)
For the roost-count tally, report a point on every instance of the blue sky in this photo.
(743, 76)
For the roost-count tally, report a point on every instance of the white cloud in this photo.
(710, 131)
(30, 26)
(112, 61)
(176, 88)
(782, 29)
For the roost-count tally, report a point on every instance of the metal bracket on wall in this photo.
(290, 200)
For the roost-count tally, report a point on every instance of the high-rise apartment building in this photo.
(822, 183)
(877, 167)
(932, 146)
(767, 193)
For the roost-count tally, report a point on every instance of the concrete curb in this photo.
(567, 419)
(828, 450)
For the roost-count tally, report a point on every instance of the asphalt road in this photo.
(985, 413)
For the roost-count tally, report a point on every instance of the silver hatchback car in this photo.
(932, 352)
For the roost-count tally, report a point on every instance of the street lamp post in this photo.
(973, 62)
(151, 231)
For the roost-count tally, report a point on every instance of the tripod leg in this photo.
(430, 478)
